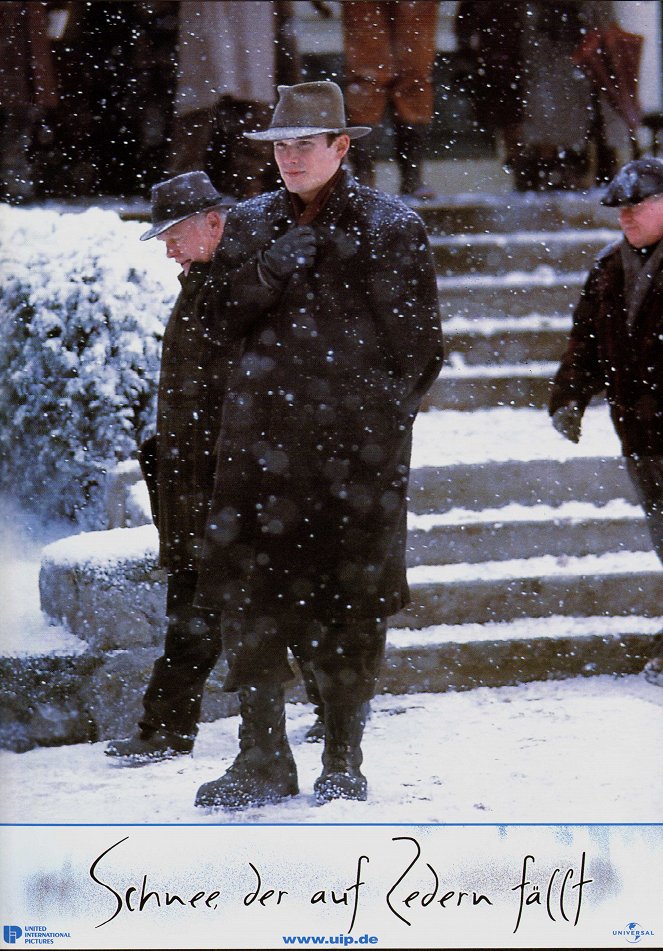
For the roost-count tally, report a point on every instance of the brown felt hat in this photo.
(182, 197)
(308, 109)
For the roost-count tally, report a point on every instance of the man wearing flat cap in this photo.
(330, 287)
(616, 345)
(188, 215)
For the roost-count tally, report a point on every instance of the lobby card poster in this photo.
(382, 886)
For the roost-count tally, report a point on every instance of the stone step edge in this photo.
(461, 326)
(60, 712)
(136, 548)
(404, 638)
(569, 236)
(514, 512)
(552, 567)
(458, 370)
(543, 276)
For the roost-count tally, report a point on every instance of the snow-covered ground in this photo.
(564, 751)
(579, 750)
(560, 751)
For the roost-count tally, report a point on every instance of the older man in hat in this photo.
(616, 345)
(330, 287)
(188, 215)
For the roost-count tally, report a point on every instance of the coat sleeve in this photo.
(579, 376)
(233, 297)
(403, 293)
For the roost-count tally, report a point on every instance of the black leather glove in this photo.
(567, 420)
(295, 251)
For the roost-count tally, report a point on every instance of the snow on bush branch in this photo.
(82, 310)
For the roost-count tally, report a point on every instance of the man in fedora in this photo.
(188, 215)
(329, 287)
(616, 345)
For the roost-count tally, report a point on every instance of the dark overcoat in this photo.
(610, 350)
(309, 511)
(192, 384)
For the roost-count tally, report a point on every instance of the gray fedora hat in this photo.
(180, 198)
(308, 109)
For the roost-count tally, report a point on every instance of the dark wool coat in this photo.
(309, 511)
(604, 353)
(192, 384)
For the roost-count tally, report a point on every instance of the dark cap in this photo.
(180, 198)
(636, 181)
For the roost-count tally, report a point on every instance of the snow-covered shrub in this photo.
(82, 309)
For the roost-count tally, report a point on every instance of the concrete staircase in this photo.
(524, 564)
(523, 544)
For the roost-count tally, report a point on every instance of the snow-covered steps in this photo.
(464, 386)
(525, 531)
(523, 251)
(493, 341)
(613, 584)
(106, 587)
(529, 211)
(464, 656)
(518, 293)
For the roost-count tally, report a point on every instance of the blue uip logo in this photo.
(11, 933)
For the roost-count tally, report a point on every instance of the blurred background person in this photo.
(389, 51)
(28, 93)
(230, 57)
(523, 64)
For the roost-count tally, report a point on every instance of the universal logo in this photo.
(633, 932)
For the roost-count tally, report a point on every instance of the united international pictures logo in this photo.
(31, 934)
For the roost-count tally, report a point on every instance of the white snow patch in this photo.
(548, 566)
(571, 512)
(541, 276)
(537, 752)
(526, 629)
(507, 239)
(451, 437)
(105, 549)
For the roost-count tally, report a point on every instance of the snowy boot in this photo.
(264, 770)
(341, 777)
(149, 746)
(316, 732)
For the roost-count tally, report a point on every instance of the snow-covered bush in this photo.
(82, 309)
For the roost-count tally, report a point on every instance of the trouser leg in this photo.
(192, 648)
(646, 473)
(346, 660)
(369, 64)
(411, 143)
(414, 43)
(256, 652)
(316, 731)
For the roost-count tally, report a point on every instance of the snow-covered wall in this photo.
(82, 309)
